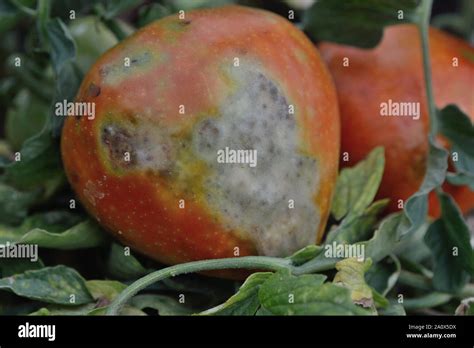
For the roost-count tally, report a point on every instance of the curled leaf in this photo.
(351, 276)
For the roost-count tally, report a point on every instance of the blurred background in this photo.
(26, 94)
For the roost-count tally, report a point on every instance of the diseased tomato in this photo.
(393, 71)
(174, 103)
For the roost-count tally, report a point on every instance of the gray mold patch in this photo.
(256, 199)
(139, 145)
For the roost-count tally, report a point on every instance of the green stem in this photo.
(43, 11)
(316, 265)
(424, 27)
(24, 9)
(248, 262)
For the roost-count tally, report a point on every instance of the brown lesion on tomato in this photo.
(93, 90)
(132, 144)
(119, 144)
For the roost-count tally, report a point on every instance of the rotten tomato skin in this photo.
(393, 70)
(176, 94)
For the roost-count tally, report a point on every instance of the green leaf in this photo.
(56, 230)
(9, 267)
(384, 239)
(62, 49)
(461, 179)
(351, 276)
(87, 234)
(62, 44)
(51, 284)
(25, 118)
(307, 253)
(380, 300)
(40, 163)
(383, 275)
(357, 227)
(105, 289)
(416, 207)
(449, 241)
(356, 186)
(245, 301)
(32, 75)
(102, 291)
(165, 305)
(41, 312)
(43, 11)
(447, 276)
(126, 310)
(14, 204)
(457, 127)
(113, 8)
(123, 265)
(10, 13)
(262, 311)
(412, 248)
(430, 300)
(152, 12)
(284, 294)
(464, 168)
(68, 81)
(57, 310)
(393, 310)
(54, 221)
(382, 243)
(356, 22)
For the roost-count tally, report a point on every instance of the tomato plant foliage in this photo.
(34, 195)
